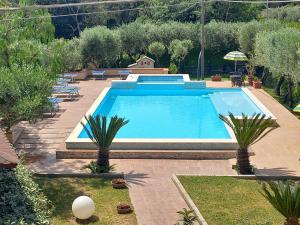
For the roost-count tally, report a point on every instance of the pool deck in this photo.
(151, 189)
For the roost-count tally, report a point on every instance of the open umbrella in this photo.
(236, 56)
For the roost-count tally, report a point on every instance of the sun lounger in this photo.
(63, 81)
(124, 73)
(71, 76)
(71, 91)
(98, 73)
(54, 107)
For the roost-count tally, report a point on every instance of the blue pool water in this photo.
(160, 79)
(174, 113)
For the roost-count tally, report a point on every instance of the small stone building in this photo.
(144, 62)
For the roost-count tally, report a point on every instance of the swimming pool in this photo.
(170, 116)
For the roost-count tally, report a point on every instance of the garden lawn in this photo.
(62, 191)
(230, 201)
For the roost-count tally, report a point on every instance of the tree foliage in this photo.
(248, 32)
(100, 46)
(157, 49)
(289, 13)
(24, 92)
(279, 52)
(27, 35)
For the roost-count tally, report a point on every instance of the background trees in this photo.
(157, 49)
(99, 46)
(279, 52)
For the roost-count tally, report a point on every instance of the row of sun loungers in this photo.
(100, 74)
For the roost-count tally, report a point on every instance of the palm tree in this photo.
(248, 131)
(103, 136)
(285, 198)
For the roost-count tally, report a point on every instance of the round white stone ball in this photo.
(83, 207)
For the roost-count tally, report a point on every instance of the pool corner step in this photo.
(149, 154)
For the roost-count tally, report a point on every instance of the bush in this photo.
(72, 57)
(222, 37)
(288, 13)
(157, 49)
(173, 68)
(22, 202)
(24, 92)
(249, 31)
(100, 46)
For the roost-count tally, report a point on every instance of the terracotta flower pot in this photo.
(257, 84)
(216, 78)
(250, 80)
(119, 183)
(124, 209)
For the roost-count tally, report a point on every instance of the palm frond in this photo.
(284, 197)
(249, 129)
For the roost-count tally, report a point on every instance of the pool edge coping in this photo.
(74, 140)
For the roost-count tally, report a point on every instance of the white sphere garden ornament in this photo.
(83, 207)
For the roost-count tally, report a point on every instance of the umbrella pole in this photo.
(235, 66)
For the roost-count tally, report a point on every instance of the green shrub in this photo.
(24, 92)
(100, 46)
(72, 57)
(22, 202)
(173, 68)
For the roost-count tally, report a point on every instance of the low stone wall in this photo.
(149, 154)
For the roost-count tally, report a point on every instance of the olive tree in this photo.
(24, 93)
(248, 32)
(179, 50)
(221, 37)
(99, 46)
(157, 49)
(279, 52)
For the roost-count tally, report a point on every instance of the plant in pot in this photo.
(257, 83)
(8, 119)
(124, 208)
(216, 77)
(284, 196)
(102, 136)
(247, 130)
(251, 71)
(119, 183)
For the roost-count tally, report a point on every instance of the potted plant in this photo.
(257, 83)
(124, 208)
(250, 79)
(119, 183)
(251, 70)
(216, 77)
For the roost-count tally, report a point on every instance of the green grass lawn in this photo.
(230, 201)
(62, 192)
(271, 92)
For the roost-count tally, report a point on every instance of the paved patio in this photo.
(154, 197)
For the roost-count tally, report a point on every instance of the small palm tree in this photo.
(248, 131)
(285, 198)
(103, 136)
